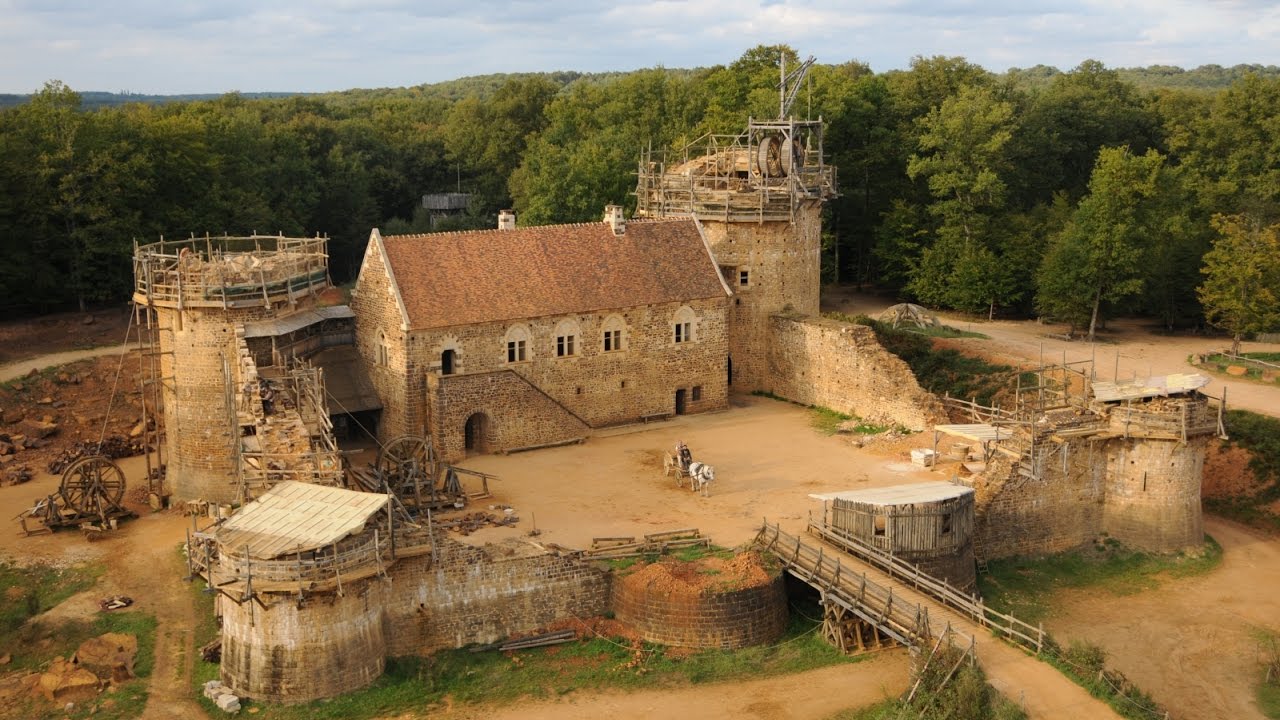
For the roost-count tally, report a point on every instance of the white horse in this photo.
(700, 477)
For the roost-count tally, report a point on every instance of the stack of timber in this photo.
(609, 548)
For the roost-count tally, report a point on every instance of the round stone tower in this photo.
(197, 295)
(758, 197)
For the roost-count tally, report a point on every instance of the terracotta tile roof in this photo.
(462, 278)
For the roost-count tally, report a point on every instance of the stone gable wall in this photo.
(378, 316)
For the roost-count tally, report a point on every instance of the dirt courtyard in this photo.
(767, 460)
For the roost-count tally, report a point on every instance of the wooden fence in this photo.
(972, 607)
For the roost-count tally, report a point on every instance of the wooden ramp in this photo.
(911, 617)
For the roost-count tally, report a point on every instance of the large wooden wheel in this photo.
(407, 468)
(92, 486)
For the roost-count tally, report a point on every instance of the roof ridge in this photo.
(481, 231)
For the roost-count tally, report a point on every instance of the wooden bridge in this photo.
(895, 598)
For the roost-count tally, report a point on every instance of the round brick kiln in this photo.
(706, 603)
(929, 525)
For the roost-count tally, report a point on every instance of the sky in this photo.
(204, 46)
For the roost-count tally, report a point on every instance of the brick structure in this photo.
(507, 339)
(735, 616)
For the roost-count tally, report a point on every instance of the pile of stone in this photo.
(222, 696)
(114, 447)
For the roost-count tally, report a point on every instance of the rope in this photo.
(115, 384)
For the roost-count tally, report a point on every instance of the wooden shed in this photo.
(928, 524)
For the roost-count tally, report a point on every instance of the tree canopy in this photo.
(1074, 194)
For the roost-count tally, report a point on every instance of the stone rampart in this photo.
(816, 361)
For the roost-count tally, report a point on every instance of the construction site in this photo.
(300, 439)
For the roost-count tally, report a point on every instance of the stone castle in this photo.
(523, 337)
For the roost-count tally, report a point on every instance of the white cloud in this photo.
(206, 46)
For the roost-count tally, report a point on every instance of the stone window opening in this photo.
(881, 522)
(383, 354)
(448, 362)
(564, 346)
(744, 277)
(696, 393)
(612, 340)
(682, 332)
(516, 351)
(517, 344)
(683, 324)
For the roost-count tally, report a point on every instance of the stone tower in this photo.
(198, 296)
(758, 197)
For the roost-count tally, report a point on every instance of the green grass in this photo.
(1025, 587)
(1219, 363)
(47, 642)
(461, 676)
(28, 591)
(1085, 664)
(826, 420)
(1260, 435)
(206, 630)
(1268, 695)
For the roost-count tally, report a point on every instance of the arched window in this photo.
(381, 350)
(614, 331)
(518, 350)
(568, 339)
(684, 325)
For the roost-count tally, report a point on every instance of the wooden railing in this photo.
(900, 619)
(972, 607)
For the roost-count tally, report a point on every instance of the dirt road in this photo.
(18, 368)
(1128, 344)
(1190, 643)
(803, 696)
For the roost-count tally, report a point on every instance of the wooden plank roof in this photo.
(1150, 387)
(979, 432)
(463, 278)
(900, 494)
(296, 517)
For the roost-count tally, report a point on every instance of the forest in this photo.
(1072, 195)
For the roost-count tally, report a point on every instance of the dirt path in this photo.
(1140, 351)
(802, 696)
(17, 369)
(1190, 643)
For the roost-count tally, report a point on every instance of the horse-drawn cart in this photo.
(683, 465)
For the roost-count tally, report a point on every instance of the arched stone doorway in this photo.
(476, 434)
(447, 360)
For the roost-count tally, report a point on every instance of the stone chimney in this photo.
(613, 216)
(506, 220)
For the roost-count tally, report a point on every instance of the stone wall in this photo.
(595, 387)
(816, 361)
(201, 438)
(1153, 493)
(331, 645)
(516, 414)
(727, 620)
(482, 595)
(784, 273)
(380, 325)
(1059, 511)
(1142, 492)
